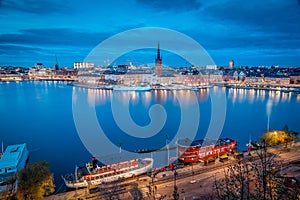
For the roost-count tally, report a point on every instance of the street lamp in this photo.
(183, 193)
(175, 193)
(193, 172)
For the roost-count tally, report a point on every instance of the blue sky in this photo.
(252, 32)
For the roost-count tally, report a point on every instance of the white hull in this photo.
(94, 179)
(131, 88)
(21, 155)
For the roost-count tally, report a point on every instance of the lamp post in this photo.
(193, 173)
(167, 145)
(175, 193)
(183, 193)
(152, 187)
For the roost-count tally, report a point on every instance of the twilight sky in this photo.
(252, 32)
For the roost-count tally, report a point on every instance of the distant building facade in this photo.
(83, 65)
(211, 67)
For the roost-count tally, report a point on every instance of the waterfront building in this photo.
(158, 63)
(210, 76)
(236, 75)
(277, 80)
(211, 67)
(39, 65)
(166, 80)
(88, 78)
(295, 76)
(83, 65)
(295, 79)
(242, 76)
(133, 77)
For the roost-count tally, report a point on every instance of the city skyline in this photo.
(251, 33)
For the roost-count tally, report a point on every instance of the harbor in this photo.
(193, 181)
(41, 95)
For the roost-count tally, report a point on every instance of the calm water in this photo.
(40, 114)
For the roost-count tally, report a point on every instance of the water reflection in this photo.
(252, 95)
(202, 95)
(262, 94)
(269, 111)
(160, 96)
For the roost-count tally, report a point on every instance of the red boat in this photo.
(200, 150)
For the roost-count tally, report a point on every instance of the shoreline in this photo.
(268, 87)
(249, 86)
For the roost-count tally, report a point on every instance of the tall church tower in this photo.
(56, 67)
(158, 63)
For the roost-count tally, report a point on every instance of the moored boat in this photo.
(201, 151)
(92, 174)
(132, 88)
(14, 158)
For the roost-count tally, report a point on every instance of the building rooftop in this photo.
(11, 155)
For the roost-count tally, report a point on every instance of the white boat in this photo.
(178, 87)
(195, 89)
(13, 159)
(132, 88)
(92, 174)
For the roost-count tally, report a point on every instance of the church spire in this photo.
(158, 63)
(158, 52)
(56, 63)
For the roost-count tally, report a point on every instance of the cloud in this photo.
(283, 16)
(32, 45)
(54, 37)
(26, 56)
(232, 26)
(178, 5)
(35, 7)
(16, 49)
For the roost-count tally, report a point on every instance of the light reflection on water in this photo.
(40, 114)
(251, 95)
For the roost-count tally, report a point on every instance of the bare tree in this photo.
(109, 191)
(257, 177)
(135, 192)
